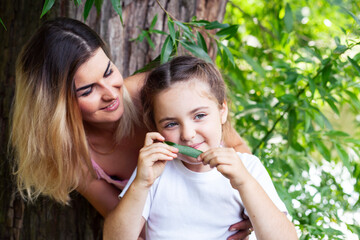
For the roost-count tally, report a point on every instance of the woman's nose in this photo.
(187, 133)
(108, 93)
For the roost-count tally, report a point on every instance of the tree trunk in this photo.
(45, 219)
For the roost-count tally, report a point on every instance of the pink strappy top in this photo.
(103, 175)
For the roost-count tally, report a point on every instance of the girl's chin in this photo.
(189, 160)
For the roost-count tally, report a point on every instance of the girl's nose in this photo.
(187, 133)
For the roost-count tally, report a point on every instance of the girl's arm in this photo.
(267, 220)
(126, 221)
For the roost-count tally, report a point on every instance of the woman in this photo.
(76, 122)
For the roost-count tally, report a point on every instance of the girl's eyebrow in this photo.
(107, 68)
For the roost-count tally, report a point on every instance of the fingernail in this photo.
(233, 229)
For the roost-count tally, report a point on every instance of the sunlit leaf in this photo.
(256, 66)
(344, 156)
(47, 6)
(352, 15)
(288, 18)
(355, 65)
(287, 98)
(323, 150)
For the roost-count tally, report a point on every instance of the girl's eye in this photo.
(200, 115)
(87, 91)
(170, 125)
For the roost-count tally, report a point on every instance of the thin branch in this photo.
(158, 2)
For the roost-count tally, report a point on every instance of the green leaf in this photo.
(354, 99)
(334, 133)
(292, 120)
(228, 32)
(352, 15)
(228, 54)
(196, 50)
(171, 29)
(153, 22)
(256, 66)
(323, 150)
(87, 8)
(98, 4)
(166, 50)
(3, 24)
(291, 78)
(288, 18)
(201, 41)
(148, 38)
(157, 31)
(47, 6)
(332, 105)
(216, 24)
(186, 30)
(355, 65)
(344, 156)
(77, 2)
(118, 9)
(340, 49)
(288, 98)
(188, 151)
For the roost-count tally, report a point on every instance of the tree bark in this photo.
(45, 219)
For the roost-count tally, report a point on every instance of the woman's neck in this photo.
(105, 130)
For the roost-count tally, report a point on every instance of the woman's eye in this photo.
(170, 125)
(200, 116)
(108, 72)
(87, 91)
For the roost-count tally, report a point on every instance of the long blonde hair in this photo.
(47, 136)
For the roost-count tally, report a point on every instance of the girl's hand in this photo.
(152, 158)
(228, 163)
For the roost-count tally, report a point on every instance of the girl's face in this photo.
(98, 86)
(188, 114)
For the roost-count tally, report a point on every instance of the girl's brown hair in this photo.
(182, 68)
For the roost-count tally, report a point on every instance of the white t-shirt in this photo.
(183, 204)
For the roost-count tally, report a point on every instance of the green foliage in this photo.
(292, 69)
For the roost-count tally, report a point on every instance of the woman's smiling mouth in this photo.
(113, 106)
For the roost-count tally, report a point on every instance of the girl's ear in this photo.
(224, 112)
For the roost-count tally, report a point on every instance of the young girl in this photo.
(185, 198)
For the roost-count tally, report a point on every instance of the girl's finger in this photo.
(151, 137)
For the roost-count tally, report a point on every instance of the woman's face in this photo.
(98, 85)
